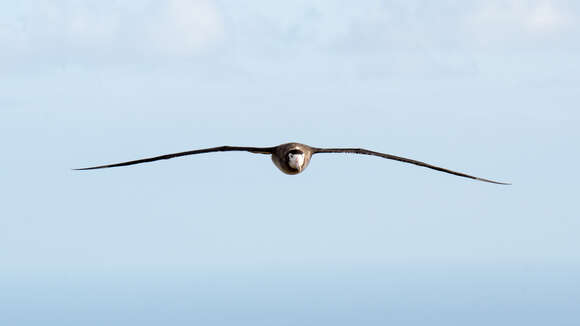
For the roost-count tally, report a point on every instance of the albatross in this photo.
(292, 158)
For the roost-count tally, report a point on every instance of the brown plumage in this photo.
(292, 158)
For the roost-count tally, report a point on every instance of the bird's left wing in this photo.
(401, 159)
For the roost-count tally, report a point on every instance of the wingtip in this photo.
(82, 169)
(495, 182)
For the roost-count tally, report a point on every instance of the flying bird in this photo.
(291, 158)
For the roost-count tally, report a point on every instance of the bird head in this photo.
(295, 159)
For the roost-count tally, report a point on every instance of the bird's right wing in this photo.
(255, 150)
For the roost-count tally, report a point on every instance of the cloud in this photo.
(84, 30)
(128, 31)
(87, 25)
(546, 17)
(187, 26)
(506, 21)
(384, 26)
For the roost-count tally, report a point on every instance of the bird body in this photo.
(292, 158)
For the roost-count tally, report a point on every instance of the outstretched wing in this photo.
(255, 150)
(401, 159)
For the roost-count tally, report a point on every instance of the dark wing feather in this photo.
(256, 150)
(401, 159)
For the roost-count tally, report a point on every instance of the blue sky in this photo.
(485, 87)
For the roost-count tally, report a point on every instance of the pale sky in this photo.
(489, 88)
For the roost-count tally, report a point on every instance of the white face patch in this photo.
(295, 160)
